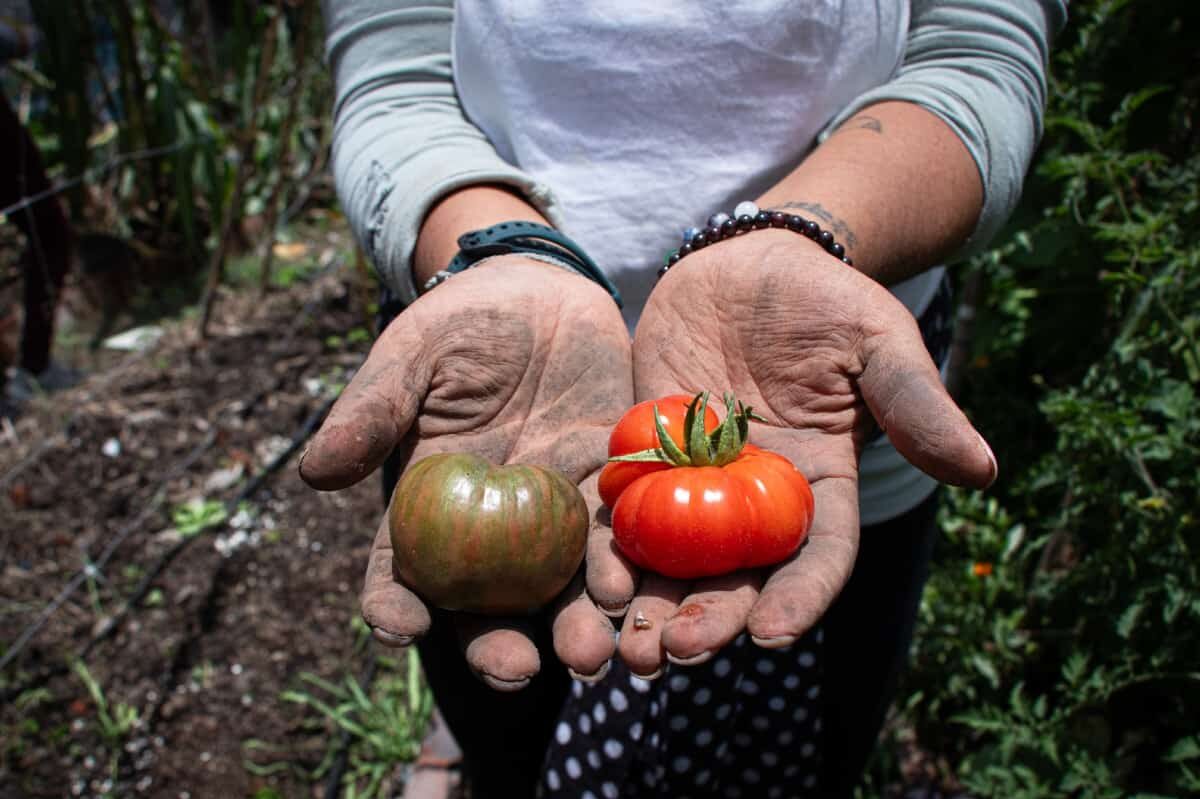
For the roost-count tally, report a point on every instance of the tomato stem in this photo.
(700, 447)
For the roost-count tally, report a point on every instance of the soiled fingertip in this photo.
(312, 473)
(504, 686)
(773, 641)
(395, 616)
(614, 609)
(504, 656)
(693, 660)
(991, 456)
(341, 454)
(611, 580)
(391, 639)
(600, 674)
(330, 471)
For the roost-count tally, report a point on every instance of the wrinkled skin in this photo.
(822, 352)
(518, 362)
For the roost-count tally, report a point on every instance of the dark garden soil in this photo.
(190, 633)
(226, 618)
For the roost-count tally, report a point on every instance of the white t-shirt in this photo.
(646, 119)
(594, 110)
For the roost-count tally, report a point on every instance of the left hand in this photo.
(821, 351)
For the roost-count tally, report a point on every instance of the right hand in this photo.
(824, 353)
(516, 361)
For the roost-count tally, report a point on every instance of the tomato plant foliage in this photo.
(1058, 651)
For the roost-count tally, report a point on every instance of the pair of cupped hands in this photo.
(524, 362)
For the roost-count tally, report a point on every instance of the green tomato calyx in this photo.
(700, 447)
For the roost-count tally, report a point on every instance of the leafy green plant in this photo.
(114, 722)
(150, 106)
(197, 515)
(1060, 633)
(23, 733)
(381, 726)
(154, 599)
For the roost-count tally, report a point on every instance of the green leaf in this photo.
(984, 723)
(643, 456)
(198, 515)
(985, 667)
(1075, 667)
(1016, 536)
(1184, 749)
(729, 441)
(697, 438)
(689, 418)
(674, 453)
(1128, 619)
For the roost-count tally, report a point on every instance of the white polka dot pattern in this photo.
(744, 724)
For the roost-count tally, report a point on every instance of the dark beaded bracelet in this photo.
(747, 217)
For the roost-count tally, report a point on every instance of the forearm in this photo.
(401, 143)
(894, 184)
(929, 165)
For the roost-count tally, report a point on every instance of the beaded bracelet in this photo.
(747, 217)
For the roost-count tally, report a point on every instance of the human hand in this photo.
(820, 351)
(516, 361)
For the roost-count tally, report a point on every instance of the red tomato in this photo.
(635, 432)
(725, 506)
(689, 522)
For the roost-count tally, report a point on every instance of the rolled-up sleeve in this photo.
(979, 65)
(400, 139)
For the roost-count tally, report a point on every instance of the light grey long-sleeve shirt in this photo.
(625, 122)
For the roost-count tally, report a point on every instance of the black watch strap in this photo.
(524, 238)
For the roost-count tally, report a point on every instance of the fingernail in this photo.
(505, 686)
(591, 678)
(613, 612)
(774, 641)
(654, 675)
(991, 458)
(391, 639)
(694, 660)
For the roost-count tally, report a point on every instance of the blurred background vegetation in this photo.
(185, 134)
(1058, 653)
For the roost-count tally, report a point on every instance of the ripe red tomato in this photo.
(635, 432)
(730, 506)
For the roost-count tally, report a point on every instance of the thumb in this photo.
(901, 386)
(374, 411)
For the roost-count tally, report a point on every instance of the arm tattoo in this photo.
(828, 220)
(863, 122)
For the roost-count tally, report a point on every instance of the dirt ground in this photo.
(95, 486)
(203, 623)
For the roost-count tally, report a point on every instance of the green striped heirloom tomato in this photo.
(719, 506)
(498, 540)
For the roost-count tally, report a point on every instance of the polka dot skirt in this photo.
(744, 724)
